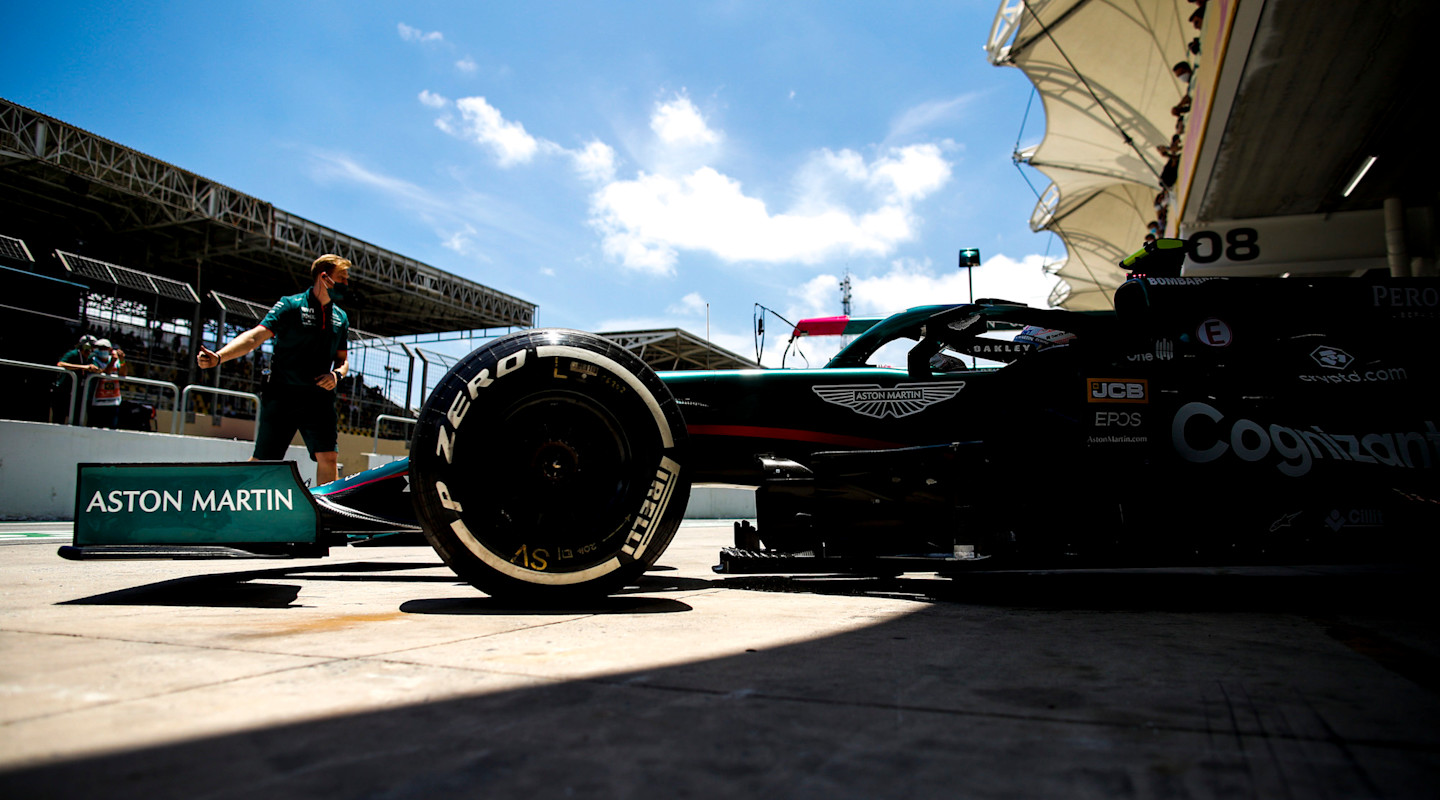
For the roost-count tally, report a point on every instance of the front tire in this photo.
(548, 464)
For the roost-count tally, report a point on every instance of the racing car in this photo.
(1203, 421)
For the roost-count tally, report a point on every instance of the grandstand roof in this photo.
(676, 349)
(63, 188)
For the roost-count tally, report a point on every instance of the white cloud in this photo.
(333, 166)
(595, 161)
(467, 65)
(916, 119)
(911, 172)
(483, 124)
(433, 100)
(678, 122)
(691, 305)
(453, 217)
(844, 206)
(410, 34)
(462, 241)
(647, 221)
(847, 164)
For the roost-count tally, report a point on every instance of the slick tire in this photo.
(549, 465)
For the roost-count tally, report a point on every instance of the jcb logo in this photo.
(1110, 390)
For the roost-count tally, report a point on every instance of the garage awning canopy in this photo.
(1104, 72)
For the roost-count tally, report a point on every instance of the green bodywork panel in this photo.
(198, 504)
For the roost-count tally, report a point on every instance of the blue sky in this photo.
(622, 165)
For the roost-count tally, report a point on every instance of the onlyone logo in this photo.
(902, 400)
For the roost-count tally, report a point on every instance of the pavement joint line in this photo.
(612, 682)
(581, 616)
(319, 661)
(381, 655)
(177, 691)
(378, 655)
(1343, 746)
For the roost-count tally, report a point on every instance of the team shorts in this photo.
(287, 409)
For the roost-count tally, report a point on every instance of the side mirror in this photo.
(917, 361)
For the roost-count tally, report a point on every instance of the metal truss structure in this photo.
(76, 191)
(676, 349)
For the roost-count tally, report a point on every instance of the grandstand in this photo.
(101, 239)
(63, 188)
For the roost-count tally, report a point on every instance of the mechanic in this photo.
(77, 360)
(311, 357)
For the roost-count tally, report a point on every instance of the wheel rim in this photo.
(561, 467)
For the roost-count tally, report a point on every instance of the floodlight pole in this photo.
(969, 272)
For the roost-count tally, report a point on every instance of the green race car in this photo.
(1205, 420)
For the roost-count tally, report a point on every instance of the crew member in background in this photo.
(310, 357)
(77, 360)
(105, 404)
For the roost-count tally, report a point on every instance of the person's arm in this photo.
(76, 366)
(239, 346)
(332, 378)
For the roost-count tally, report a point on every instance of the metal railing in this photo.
(375, 445)
(74, 381)
(100, 376)
(183, 403)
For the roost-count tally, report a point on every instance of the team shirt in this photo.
(307, 338)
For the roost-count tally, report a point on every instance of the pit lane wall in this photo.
(37, 467)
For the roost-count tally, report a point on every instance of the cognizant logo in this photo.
(1294, 450)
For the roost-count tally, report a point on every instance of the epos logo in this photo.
(1113, 390)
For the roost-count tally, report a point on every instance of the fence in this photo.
(387, 384)
(126, 380)
(65, 375)
(184, 405)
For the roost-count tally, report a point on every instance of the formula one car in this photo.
(1205, 420)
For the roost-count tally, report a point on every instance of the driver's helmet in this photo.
(1045, 338)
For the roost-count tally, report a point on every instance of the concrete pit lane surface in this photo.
(376, 673)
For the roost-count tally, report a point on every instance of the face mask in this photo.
(338, 292)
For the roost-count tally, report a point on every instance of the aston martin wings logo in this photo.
(901, 400)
